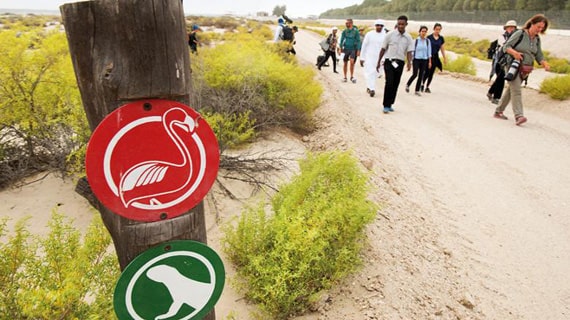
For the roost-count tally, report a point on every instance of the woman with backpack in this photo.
(422, 60)
(523, 46)
(330, 47)
(496, 90)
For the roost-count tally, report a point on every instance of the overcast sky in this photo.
(295, 8)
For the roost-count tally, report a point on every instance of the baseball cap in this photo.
(510, 23)
(379, 22)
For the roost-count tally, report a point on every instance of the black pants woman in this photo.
(420, 67)
(332, 54)
(496, 91)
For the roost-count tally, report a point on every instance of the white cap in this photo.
(510, 23)
(334, 28)
(380, 22)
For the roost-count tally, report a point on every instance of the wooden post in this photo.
(125, 50)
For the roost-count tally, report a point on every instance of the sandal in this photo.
(500, 115)
(520, 120)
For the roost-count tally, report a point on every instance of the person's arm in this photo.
(379, 64)
(442, 49)
(342, 40)
(540, 57)
(508, 46)
(363, 49)
(277, 33)
(358, 44)
(409, 62)
(429, 52)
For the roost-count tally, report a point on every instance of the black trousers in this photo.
(497, 87)
(393, 76)
(420, 68)
(328, 54)
(435, 64)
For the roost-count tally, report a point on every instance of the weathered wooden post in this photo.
(122, 51)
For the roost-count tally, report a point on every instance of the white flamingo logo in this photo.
(154, 171)
(151, 172)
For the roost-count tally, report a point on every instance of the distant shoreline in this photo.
(30, 11)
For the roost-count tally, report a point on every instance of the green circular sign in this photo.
(179, 280)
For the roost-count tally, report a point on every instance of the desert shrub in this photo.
(557, 87)
(247, 75)
(313, 238)
(42, 119)
(231, 130)
(462, 64)
(559, 65)
(57, 276)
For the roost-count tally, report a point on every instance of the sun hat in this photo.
(379, 22)
(510, 23)
(334, 28)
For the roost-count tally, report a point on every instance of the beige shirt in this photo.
(397, 45)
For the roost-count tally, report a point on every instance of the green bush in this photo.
(557, 87)
(462, 64)
(249, 74)
(57, 276)
(313, 239)
(231, 130)
(559, 65)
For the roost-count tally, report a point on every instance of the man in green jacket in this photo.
(350, 47)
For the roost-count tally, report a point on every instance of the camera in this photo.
(286, 18)
(513, 70)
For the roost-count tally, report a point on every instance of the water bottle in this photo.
(513, 70)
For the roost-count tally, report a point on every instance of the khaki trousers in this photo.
(513, 92)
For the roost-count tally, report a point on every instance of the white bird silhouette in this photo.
(154, 171)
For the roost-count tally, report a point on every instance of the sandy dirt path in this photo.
(476, 210)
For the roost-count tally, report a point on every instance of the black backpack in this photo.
(492, 49)
(287, 33)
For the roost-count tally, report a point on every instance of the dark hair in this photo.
(423, 27)
(349, 20)
(437, 24)
(536, 19)
(295, 28)
(403, 18)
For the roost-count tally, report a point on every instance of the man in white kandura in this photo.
(369, 55)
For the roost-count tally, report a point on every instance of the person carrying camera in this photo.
(525, 52)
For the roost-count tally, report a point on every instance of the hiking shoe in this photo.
(490, 96)
(495, 101)
(407, 88)
(520, 120)
(372, 93)
(427, 90)
(386, 109)
(344, 80)
(353, 80)
(422, 88)
(500, 115)
(418, 94)
(390, 109)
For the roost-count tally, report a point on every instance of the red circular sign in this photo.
(152, 159)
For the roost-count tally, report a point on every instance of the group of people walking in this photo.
(387, 53)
